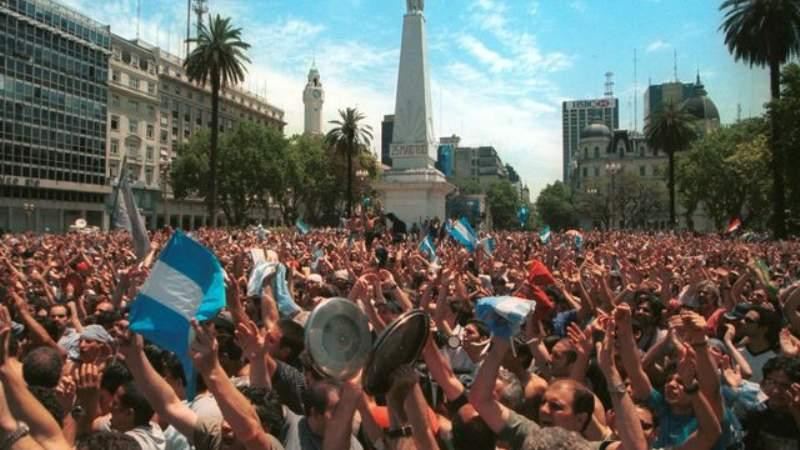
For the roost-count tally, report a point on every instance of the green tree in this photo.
(351, 138)
(787, 113)
(554, 207)
(503, 205)
(766, 33)
(726, 172)
(253, 164)
(217, 59)
(670, 130)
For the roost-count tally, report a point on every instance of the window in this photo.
(133, 82)
(597, 171)
(133, 126)
(597, 152)
(151, 88)
(134, 105)
(174, 131)
(150, 152)
(114, 148)
(113, 168)
(585, 172)
(151, 110)
(586, 153)
(151, 132)
(115, 76)
(642, 171)
(115, 100)
(164, 136)
(164, 120)
(114, 123)
(148, 175)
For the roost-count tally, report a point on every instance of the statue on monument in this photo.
(415, 5)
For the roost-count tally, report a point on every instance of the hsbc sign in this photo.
(585, 104)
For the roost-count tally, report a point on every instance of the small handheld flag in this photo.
(488, 245)
(503, 316)
(462, 232)
(126, 215)
(186, 283)
(733, 225)
(523, 214)
(427, 247)
(302, 227)
(544, 235)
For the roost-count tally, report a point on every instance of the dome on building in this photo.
(700, 104)
(596, 130)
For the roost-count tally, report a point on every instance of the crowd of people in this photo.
(636, 341)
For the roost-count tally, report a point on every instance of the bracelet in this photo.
(692, 388)
(397, 433)
(619, 389)
(10, 439)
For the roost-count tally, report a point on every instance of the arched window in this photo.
(586, 153)
(597, 152)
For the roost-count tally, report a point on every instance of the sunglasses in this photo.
(750, 320)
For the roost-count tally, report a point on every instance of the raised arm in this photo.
(236, 409)
(707, 374)
(155, 389)
(628, 351)
(338, 430)
(482, 394)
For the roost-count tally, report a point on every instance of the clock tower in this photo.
(313, 98)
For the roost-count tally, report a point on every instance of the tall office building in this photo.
(53, 96)
(576, 116)
(657, 95)
(692, 97)
(387, 128)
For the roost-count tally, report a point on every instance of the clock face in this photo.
(316, 93)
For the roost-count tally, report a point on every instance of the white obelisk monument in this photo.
(414, 190)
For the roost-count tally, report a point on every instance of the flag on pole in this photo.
(733, 225)
(462, 232)
(186, 283)
(522, 214)
(544, 235)
(427, 247)
(126, 215)
(302, 227)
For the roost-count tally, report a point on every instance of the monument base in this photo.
(414, 195)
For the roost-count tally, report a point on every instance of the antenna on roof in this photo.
(138, 17)
(609, 84)
(635, 92)
(188, 25)
(675, 65)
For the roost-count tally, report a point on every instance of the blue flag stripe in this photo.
(193, 260)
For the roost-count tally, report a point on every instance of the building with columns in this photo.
(313, 99)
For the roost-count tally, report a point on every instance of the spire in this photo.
(698, 74)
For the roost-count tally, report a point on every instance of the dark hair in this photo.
(474, 434)
(228, 347)
(142, 411)
(772, 321)
(483, 330)
(42, 367)
(115, 375)
(268, 408)
(582, 399)
(315, 398)
(655, 305)
(107, 440)
(50, 308)
(293, 338)
(47, 397)
(788, 365)
(556, 438)
(173, 367)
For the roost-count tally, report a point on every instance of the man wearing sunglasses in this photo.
(759, 328)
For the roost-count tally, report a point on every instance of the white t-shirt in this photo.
(757, 362)
(149, 437)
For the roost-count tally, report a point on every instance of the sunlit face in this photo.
(122, 418)
(556, 409)
(560, 359)
(58, 315)
(674, 392)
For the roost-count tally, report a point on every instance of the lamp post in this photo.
(29, 208)
(612, 169)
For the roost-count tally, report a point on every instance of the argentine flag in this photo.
(427, 247)
(462, 232)
(186, 283)
(523, 214)
(504, 315)
(544, 235)
(488, 245)
(302, 227)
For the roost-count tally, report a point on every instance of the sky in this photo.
(499, 69)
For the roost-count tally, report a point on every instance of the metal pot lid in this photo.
(400, 343)
(337, 338)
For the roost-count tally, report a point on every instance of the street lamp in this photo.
(29, 208)
(612, 169)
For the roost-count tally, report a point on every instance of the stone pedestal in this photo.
(414, 195)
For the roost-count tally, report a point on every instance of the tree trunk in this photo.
(212, 157)
(671, 187)
(350, 180)
(778, 196)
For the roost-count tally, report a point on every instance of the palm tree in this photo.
(766, 33)
(218, 59)
(671, 130)
(351, 138)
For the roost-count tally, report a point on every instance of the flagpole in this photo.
(116, 191)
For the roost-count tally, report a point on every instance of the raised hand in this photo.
(790, 345)
(66, 392)
(251, 339)
(204, 348)
(579, 339)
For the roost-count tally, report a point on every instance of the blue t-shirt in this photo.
(675, 429)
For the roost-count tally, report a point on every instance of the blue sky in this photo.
(499, 68)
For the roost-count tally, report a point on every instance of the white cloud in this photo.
(494, 60)
(656, 46)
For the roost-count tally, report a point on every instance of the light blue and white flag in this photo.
(462, 232)
(302, 227)
(505, 315)
(126, 215)
(544, 235)
(261, 270)
(186, 283)
(427, 247)
(522, 214)
(488, 245)
(316, 256)
(287, 308)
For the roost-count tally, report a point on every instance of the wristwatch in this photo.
(397, 433)
(618, 389)
(692, 388)
(11, 438)
(453, 341)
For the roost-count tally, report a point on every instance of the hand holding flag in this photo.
(463, 233)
